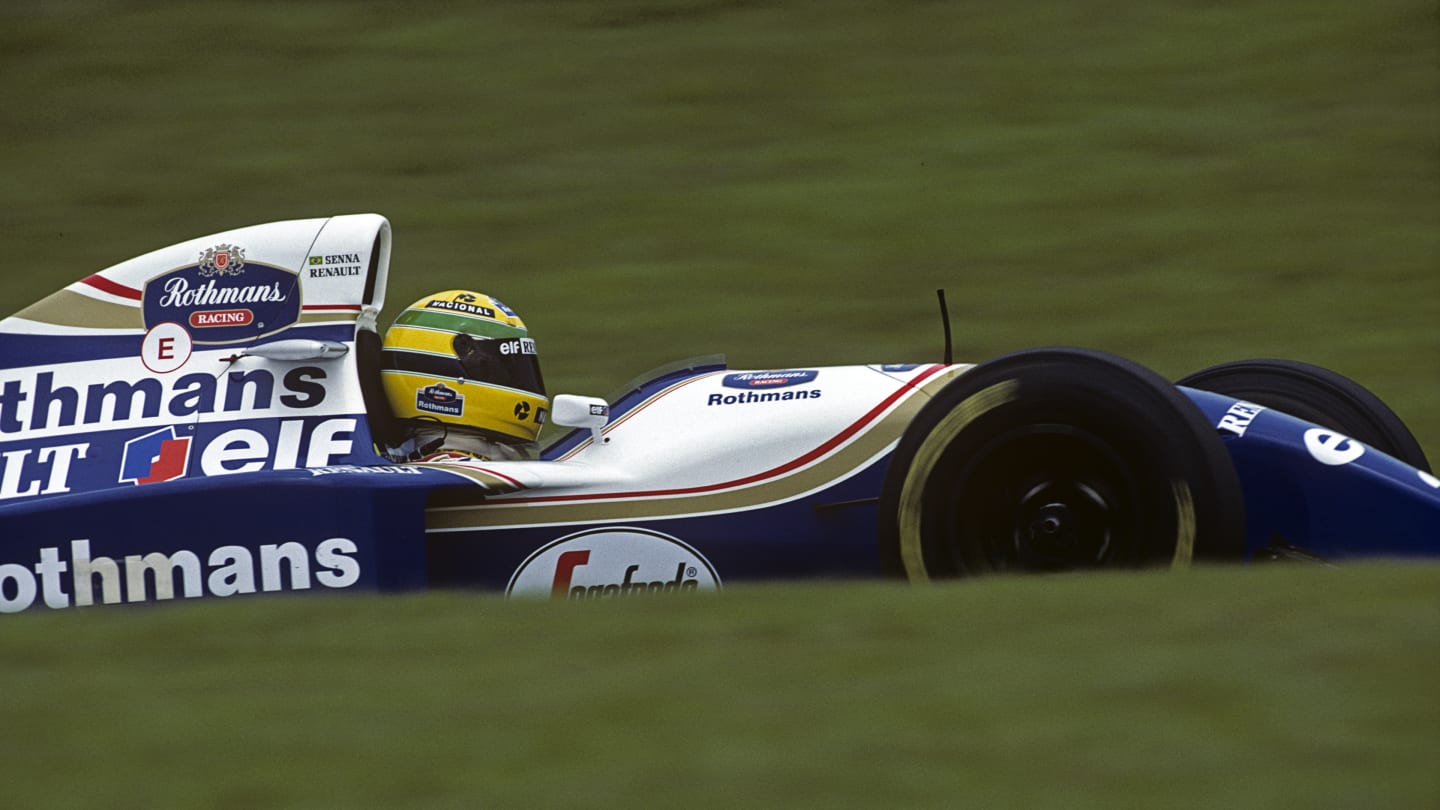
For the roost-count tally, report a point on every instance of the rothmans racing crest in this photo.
(222, 298)
(222, 260)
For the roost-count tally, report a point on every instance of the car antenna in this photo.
(945, 320)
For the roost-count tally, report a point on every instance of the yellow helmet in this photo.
(464, 359)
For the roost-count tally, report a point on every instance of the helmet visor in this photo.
(511, 362)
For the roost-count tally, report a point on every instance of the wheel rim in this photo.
(1060, 524)
(1041, 498)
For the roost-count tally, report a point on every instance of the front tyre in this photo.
(1053, 460)
(1316, 395)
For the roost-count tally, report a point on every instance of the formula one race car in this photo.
(203, 421)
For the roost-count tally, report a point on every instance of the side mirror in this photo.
(569, 410)
(297, 349)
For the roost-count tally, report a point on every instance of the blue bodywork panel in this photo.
(1310, 487)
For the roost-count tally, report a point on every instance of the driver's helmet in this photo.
(461, 361)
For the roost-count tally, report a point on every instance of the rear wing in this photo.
(236, 352)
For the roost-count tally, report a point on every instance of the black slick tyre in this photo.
(1058, 459)
(1316, 395)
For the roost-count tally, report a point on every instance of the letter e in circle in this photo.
(1334, 449)
(166, 348)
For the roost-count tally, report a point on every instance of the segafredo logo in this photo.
(613, 563)
(768, 379)
(223, 299)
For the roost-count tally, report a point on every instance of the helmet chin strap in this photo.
(431, 446)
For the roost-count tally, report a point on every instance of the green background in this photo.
(1183, 183)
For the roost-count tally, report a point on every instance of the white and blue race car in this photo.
(202, 421)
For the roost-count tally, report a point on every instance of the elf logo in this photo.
(155, 457)
(613, 563)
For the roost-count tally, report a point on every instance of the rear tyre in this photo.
(1316, 395)
(1053, 460)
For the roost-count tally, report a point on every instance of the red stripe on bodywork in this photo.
(105, 285)
(507, 479)
(824, 448)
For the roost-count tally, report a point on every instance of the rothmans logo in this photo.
(440, 398)
(769, 379)
(83, 580)
(223, 299)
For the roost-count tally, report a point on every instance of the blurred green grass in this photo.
(1269, 688)
(788, 183)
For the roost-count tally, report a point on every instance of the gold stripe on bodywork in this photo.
(66, 308)
(870, 443)
(329, 316)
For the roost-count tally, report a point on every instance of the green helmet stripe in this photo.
(480, 327)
